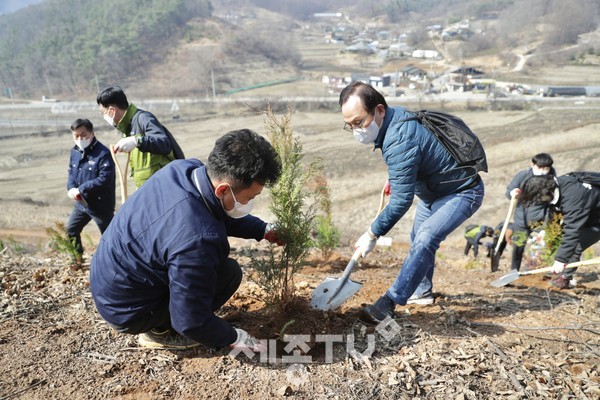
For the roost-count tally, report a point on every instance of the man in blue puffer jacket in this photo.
(162, 268)
(90, 183)
(417, 165)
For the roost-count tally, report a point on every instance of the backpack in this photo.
(177, 152)
(455, 136)
(471, 226)
(592, 178)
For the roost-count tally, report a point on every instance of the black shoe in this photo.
(562, 282)
(378, 312)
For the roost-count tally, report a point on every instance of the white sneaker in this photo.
(422, 301)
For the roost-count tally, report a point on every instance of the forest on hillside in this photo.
(78, 42)
(74, 46)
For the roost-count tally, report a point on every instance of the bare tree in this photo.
(570, 19)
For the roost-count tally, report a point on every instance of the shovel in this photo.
(122, 174)
(333, 292)
(513, 276)
(511, 210)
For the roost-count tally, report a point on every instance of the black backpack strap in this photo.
(177, 152)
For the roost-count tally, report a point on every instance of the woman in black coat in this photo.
(579, 203)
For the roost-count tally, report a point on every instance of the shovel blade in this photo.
(323, 297)
(506, 279)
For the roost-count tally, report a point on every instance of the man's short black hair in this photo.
(538, 189)
(82, 122)
(369, 96)
(542, 160)
(112, 96)
(244, 157)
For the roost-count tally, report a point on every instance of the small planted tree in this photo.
(552, 238)
(294, 207)
(326, 235)
(63, 244)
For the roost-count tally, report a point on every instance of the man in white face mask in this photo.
(163, 269)
(150, 144)
(418, 165)
(91, 183)
(531, 216)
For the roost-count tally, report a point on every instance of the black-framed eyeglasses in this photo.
(349, 127)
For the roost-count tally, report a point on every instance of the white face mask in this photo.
(82, 143)
(110, 120)
(239, 210)
(540, 171)
(366, 135)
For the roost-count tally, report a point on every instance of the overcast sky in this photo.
(9, 6)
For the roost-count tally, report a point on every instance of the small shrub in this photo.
(294, 208)
(13, 246)
(62, 243)
(326, 235)
(520, 238)
(552, 238)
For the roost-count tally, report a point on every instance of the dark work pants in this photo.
(79, 219)
(588, 236)
(519, 248)
(229, 277)
(471, 243)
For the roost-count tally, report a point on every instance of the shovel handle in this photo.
(122, 174)
(571, 265)
(381, 202)
(349, 267)
(346, 274)
(511, 210)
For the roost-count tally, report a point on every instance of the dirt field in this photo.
(525, 340)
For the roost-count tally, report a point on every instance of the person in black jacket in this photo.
(163, 266)
(579, 204)
(473, 236)
(90, 184)
(529, 217)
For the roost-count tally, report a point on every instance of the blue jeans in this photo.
(433, 223)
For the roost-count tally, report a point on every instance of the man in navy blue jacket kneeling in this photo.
(162, 267)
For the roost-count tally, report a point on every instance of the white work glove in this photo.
(558, 267)
(366, 243)
(515, 192)
(126, 144)
(246, 341)
(74, 194)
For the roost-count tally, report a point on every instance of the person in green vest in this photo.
(150, 144)
(474, 234)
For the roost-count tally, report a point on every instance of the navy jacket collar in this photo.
(207, 192)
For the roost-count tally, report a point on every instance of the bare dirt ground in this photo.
(526, 340)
